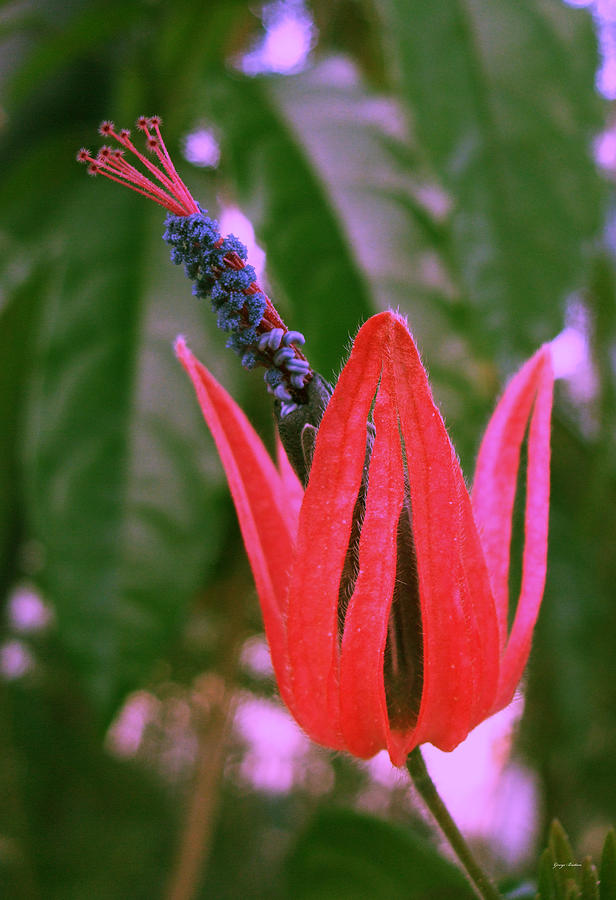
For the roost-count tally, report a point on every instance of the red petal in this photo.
(496, 474)
(459, 621)
(293, 491)
(363, 703)
(457, 608)
(258, 495)
(499, 460)
(322, 541)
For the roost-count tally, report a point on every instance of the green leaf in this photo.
(545, 885)
(43, 173)
(559, 844)
(20, 282)
(64, 41)
(118, 471)
(566, 872)
(18, 304)
(590, 882)
(608, 867)
(502, 95)
(95, 826)
(390, 212)
(344, 855)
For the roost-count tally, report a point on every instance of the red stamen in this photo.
(165, 187)
(134, 179)
(167, 203)
(166, 161)
(181, 195)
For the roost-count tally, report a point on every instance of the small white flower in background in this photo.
(202, 149)
(289, 36)
(27, 612)
(15, 660)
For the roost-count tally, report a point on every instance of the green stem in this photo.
(427, 791)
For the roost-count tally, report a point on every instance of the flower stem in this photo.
(196, 838)
(427, 790)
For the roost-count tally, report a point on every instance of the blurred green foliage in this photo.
(434, 157)
(561, 877)
(346, 856)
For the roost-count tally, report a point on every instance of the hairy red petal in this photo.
(460, 641)
(292, 488)
(362, 691)
(323, 537)
(496, 474)
(258, 495)
(536, 519)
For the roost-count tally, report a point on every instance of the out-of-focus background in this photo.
(453, 159)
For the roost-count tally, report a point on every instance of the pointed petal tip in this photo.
(389, 322)
(395, 317)
(180, 347)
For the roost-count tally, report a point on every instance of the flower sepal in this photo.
(298, 428)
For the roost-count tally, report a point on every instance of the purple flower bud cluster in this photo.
(197, 243)
(218, 269)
